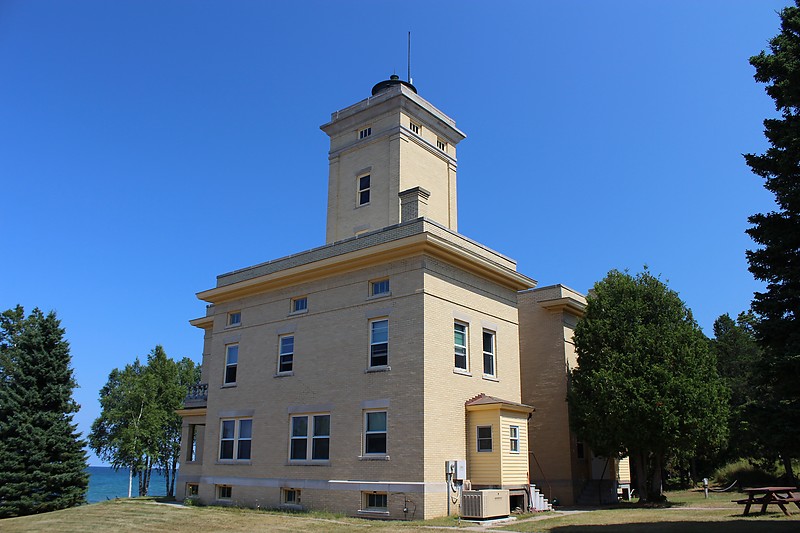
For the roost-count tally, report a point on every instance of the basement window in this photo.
(375, 502)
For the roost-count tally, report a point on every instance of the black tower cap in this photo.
(393, 80)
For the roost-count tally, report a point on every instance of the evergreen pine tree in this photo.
(42, 460)
(777, 261)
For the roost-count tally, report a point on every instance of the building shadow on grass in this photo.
(744, 525)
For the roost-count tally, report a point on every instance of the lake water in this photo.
(106, 484)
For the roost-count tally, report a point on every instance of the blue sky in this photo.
(147, 146)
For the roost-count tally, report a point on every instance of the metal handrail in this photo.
(549, 488)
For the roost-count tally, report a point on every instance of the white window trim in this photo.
(415, 128)
(493, 353)
(281, 354)
(378, 455)
(225, 382)
(292, 307)
(229, 324)
(365, 509)
(365, 132)
(458, 369)
(372, 343)
(374, 282)
(512, 439)
(237, 424)
(310, 436)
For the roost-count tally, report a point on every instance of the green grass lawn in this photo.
(687, 511)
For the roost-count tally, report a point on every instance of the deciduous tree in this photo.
(777, 260)
(42, 460)
(646, 384)
(138, 428)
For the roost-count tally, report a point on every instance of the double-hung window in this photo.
(231, 363)
(379, 342)
(235, 440)
(375, 431)
(379, 287)
(362, 196)
(460, 345)
(484, 438)
(514, 436)
(489, 353)
(300, 305)
(286, 353)
(310, 438)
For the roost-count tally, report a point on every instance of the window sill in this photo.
(244, 462)
(374, 369)
(233, 326)
(302, 312)
(283, 374)
(379, 296)
(376, 457)
(309, 462)
(462, 372)
(488, 377)
(292, 507)
(371, 512)
(227, 385)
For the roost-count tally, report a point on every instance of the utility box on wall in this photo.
(456, 469)
(461, 470)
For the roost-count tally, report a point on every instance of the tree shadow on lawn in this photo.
(735, 526)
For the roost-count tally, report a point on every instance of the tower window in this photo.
(441, 145)
(363, 190)
(415, 128)
(366, 132)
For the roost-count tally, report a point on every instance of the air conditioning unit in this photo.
(487, 503)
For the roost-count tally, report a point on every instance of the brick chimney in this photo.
(413, 204)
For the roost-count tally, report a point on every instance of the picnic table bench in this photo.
(766, 496)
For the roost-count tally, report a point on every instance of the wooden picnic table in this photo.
(766, 496)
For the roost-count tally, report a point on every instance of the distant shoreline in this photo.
(107, 484)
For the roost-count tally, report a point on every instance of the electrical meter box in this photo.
(456, 469)
(461, 470)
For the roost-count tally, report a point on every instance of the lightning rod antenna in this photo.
(409, 59)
